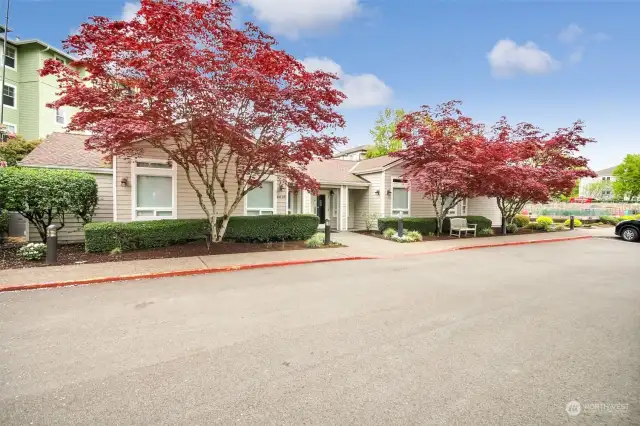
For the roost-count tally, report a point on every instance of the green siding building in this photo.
(26, 94)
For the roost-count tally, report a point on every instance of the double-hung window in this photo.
(61, 119)
(154, 189)
(400, 198)
(10, 57)
(9, 96)
(261, 200)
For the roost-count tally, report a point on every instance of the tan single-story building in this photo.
(150, 187)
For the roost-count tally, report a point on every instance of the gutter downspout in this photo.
(4, 62)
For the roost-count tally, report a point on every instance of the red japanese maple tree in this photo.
(443, 155)
(525, 165)
(224, 104)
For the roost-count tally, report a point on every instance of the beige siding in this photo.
(420, 206)
(72, 231)
(370, 199)
(358, 208)
(188, 206)
(483, 206)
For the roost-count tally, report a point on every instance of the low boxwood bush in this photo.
(576, 222)
(538, 226)
(627, 217)
(544, 220)
(521, 220)
(429, 225)
(316, 241)
(106, 236)
(512, 228)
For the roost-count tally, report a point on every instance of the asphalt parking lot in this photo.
(507, 335)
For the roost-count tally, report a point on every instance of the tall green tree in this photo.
(383, 133)
(627, 175)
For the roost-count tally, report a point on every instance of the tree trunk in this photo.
(441, 218)
(221, 228)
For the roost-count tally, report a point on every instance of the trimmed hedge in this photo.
(429, 225)
(106, 236)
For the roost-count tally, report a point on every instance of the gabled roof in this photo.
(352, 150)
(334, 172)
(374, 164)
(67, 151)
(606, 172)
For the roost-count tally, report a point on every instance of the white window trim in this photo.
(6, 123)
(275, 199)
(147, 171)
(15, 58)
(55, 117)
(400, 185)
(15, 96)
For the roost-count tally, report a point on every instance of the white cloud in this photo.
(290, 17)
(571, 34)
(507, 59)
(601, 37)
(362, 90)
(576, 55)
(129, 11)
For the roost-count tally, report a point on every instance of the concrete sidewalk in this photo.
(357, 246)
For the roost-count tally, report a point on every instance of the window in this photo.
(10, 57)
(60, 117)
(9, 96)
(11, 128)
(154, 190)
(452, 211)
(260, 200)
(400, 203)
(463, 207)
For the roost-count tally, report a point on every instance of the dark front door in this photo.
(322, 199)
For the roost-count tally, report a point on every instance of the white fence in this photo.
(582, 211)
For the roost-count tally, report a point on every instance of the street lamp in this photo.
(3, 133)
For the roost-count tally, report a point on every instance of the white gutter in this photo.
(80, 169)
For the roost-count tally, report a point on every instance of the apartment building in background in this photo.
(25, 94)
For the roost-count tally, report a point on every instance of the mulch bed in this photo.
(497, 232)
(70, 254)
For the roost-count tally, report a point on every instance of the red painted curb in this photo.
(266, 265)
(177, 273)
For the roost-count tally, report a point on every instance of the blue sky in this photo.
(548, 63)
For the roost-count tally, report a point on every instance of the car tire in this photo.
(629, 234)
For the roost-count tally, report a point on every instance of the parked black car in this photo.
(628, 230)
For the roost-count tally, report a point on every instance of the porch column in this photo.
(306, 203)
(344, 208)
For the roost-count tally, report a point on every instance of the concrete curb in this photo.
(167, 274)
(100, 280)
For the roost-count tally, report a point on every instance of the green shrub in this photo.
(627, 217)
(252, 229)
(414, 235)
(609, 220)
(429, 225)
(544, 220)
(15, 149)
(389, 232)
(538, 226)
(105, 236)
(486, 231)
(316, 241)
(33, 251)
(4, 221)
(576, 222)
(521, 220)
(637, 217)
(46, 196)
(512, 228)
(557, 228)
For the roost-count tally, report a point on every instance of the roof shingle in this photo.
(65, 150)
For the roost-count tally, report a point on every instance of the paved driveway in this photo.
(493, 336)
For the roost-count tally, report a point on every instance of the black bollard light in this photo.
(400, 225)
(571, 222)
(327, 232)
(52, 245)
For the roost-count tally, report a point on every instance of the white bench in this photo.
(460, 225)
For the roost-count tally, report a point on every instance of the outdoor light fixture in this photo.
(124, 181)
(388, 192)
(377, 192)
(331, 192)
